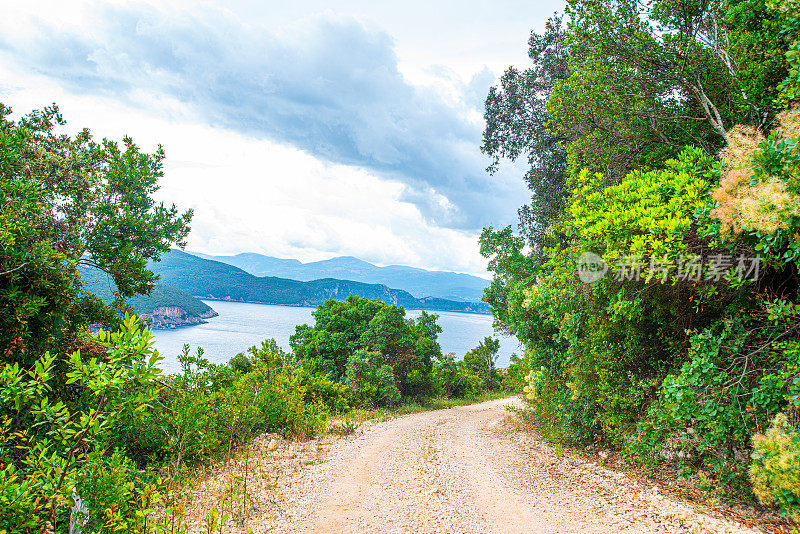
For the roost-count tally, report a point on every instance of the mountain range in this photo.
(418, 282)
(211, 279)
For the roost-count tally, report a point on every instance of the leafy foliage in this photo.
(518, 124)
(370, 380)
(69, 201)
(776, 467)
(49, 438)
(679, 155)
(480, 361)
(342, 328)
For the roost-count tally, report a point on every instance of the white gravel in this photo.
(464, 470)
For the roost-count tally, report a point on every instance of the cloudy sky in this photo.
(302, 129)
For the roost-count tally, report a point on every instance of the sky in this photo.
(300, 129)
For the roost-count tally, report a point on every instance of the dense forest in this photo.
(662, 138)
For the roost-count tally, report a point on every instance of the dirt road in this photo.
(461, 470)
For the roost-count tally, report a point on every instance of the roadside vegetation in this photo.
(663, 138)
(92, 433)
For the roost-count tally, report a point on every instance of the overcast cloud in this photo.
(326, 88)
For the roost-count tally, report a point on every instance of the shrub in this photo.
(42, 461)
(775, 471)
(473, 384)
(515, 377)
(241, 363)
(449, 375)
(407, 346)
(103, 488)
(548, 403)
(480, 362)
(371, 382)
(387, 389)
(323, 390)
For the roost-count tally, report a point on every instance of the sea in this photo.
(241, 325)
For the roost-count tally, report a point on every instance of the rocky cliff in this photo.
(173, 316)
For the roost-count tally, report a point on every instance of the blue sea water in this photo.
(241, 325)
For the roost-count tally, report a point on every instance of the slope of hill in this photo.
(166, 306)
(211, 279)
(418, 282)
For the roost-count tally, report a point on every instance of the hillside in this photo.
(166, 307)
(418, 282)
(211, 279)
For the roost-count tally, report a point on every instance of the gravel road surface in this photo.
(466, 470)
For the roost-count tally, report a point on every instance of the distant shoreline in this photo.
(314, 306)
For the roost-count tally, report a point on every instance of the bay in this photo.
(241, 325)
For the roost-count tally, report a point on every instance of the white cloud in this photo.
(419, 178)
(259, 196)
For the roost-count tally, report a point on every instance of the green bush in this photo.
(371, 382)
(387, 390)
(775, 471)
(449, 375)
(407, 346)
(515, 375)
(61, 446)
(480, 362)
(103, 486)
(548, 405)
(322, 390)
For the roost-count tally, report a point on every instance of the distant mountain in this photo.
(165, 307)
(418, 282)
(212, 279)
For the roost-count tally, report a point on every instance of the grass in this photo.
(442, 403)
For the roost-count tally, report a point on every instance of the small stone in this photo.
(273, 444)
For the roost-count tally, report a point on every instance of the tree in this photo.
(648, 79)
(518, 124)
(371, 381)
(70, 201)
(337, 332)
(343, 328)
(480, 360)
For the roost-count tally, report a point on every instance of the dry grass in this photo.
(248, 487)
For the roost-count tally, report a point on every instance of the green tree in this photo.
(342, 328)
(678, 158)
(337, 332)
(518, 124)
(647, 80)
(70, 201)
(480, 360)
(371, 381)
